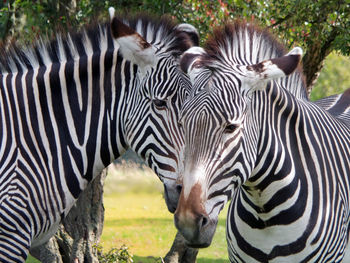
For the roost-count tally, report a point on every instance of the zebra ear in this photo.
(190, 61)
(111, 12)
(133, 47)
(277, 67)
(190, 31)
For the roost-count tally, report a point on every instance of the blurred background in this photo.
(321, 28)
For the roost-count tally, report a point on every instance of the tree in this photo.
(320, 27)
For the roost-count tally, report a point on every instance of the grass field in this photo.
(136, 215)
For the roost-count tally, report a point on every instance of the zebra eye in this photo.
(230, 128)
(160, 104)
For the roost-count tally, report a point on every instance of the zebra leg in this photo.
(79, 231)
(180, 252)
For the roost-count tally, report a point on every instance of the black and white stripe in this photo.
(69, 107)
(283, 160)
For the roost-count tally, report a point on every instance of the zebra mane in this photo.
(161, 32)
(246, 44)
(65, 47)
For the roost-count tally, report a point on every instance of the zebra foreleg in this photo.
(15, 233)
(180, 252)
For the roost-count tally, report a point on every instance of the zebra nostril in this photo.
(179, 188)
(204, 221)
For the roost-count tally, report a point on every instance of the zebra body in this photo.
(295, 205)
(251, 136)
(337, 105)
(68, 108)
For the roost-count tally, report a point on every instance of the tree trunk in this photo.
(48, 252)
(79, 231)
(313, 59)
(180, 253)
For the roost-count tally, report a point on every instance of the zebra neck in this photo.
(277, 161)
(298, 142)
(297, 199)
(67, 119)
(86, 104)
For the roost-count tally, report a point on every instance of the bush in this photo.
(115, 255)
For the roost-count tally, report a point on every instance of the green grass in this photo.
(142, 222)
(136, 215)
(30, 259)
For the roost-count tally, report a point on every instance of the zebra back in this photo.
(337, 105)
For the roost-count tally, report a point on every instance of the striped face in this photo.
(152, 114)
(151, 126)
(219, 137)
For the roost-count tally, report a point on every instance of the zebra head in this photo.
(152, 111)
(219, 139)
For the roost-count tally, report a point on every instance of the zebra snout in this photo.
(192, 220)
(197, 229)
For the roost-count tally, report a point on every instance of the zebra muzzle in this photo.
(193, 222)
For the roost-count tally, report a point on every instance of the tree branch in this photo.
(281, 20)
(314, 58)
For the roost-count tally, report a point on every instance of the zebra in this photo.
(71, 106)
(251, 137)
(337, 105)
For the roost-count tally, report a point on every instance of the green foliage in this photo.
(305, 22)
(204, 15)
(115, 255)
(298, 22)
(26, 20)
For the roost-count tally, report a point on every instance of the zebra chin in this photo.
(198, 232)
(171, 195)
(193, 221)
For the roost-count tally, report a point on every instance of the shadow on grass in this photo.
(155, 235)
(143, 220)
(138, 259)
(139, 221)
